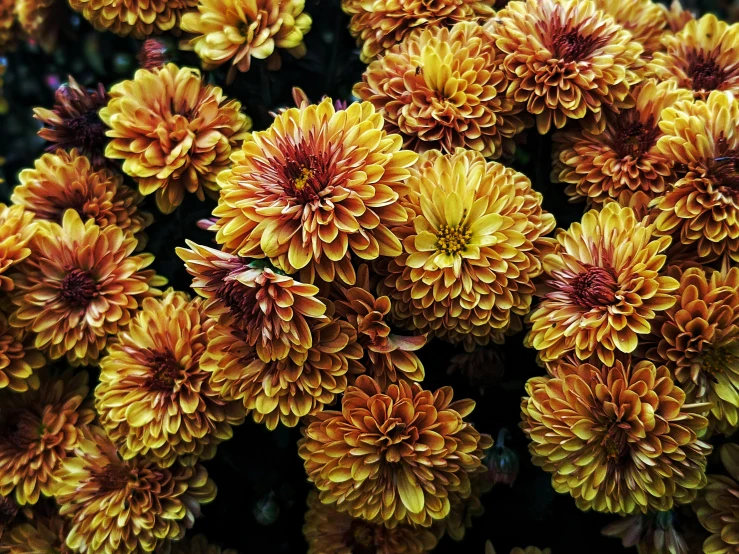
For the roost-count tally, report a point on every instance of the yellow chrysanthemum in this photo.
(444, 88)
(79, 287)
(38, 430)
(126, 507)
(717, 506)
(154, 398)
(617, 437)
(317, 187)
(173, 132)
(603, 287)
(470, 252)
(624, 158)
(701, 210)
(701, 57)
(566, 59)
(133, 17)
(235, 30)
(16, 230)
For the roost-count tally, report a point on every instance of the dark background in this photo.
(261, 480)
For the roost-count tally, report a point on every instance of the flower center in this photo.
(22, 429)
(717, 360)
(113, 477)
(165, 371)
(615, 443)
(452, 239)
(304, 175)
(594, 287)
(571, 46)
(78, 288)
(705, 73)
(633, 138)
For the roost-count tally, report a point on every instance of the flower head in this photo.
(566, 59)
(80, 286)
(603, 287)
(617, 437)
(38, 430)
(316, 187)
(444, 88)
(415, 451)
(698, 340)
(328, 530)
(133, 17)
(470, 252)
(700, 58)
(65, 180)
(16, 230)
(283, 391)
(624, 158)
(73, 122)
(154, 398)
(379, 25)
(126, 507)
(234, 31)
(173, 132)
(273, 310)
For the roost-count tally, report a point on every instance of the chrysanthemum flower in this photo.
(41, 20)
(328, 530)
(81, 285)
(316, 187)
(39, 429)
(603, 287)
(702, 208)
(470, 252)
(271, 309)
(285, 390)
(518, 550)
(126, 507)
(701, 57)
(718, 505)
(379, 25)
(154, 398)
(394, 456)
(234, 31)
(173, 132)
(388, 357)
(16, 230)
(651, 533)
(67, 180)
(18, 358)
(42, 533)
(133, 17)
(73, 122)
(443, 88)
(198, 545)
(617, 437)
(698, 340)
(623, 159)
(644, 19)
(566, 59)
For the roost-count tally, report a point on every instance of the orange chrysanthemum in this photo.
(379, 25)
(41, 20)
(702, 208)
(393, 457)
(133, 17)
(617, 437)
(444, 88)
(471, 251)
(235, 30)
(623, 159)
(16, 230)
(316, 187)
(173, 132)
(388, 357)
(603, 288)
(198, 545)
(271, 309)
(700, 58)
(717, 506)
(285, 390)
(18, 358)
(566, 59)
(328, 530)
(154, 398)
(126, 507)
(80, 286)
(67, 180)
(698, 340)
(38, 430)
(644, 19)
